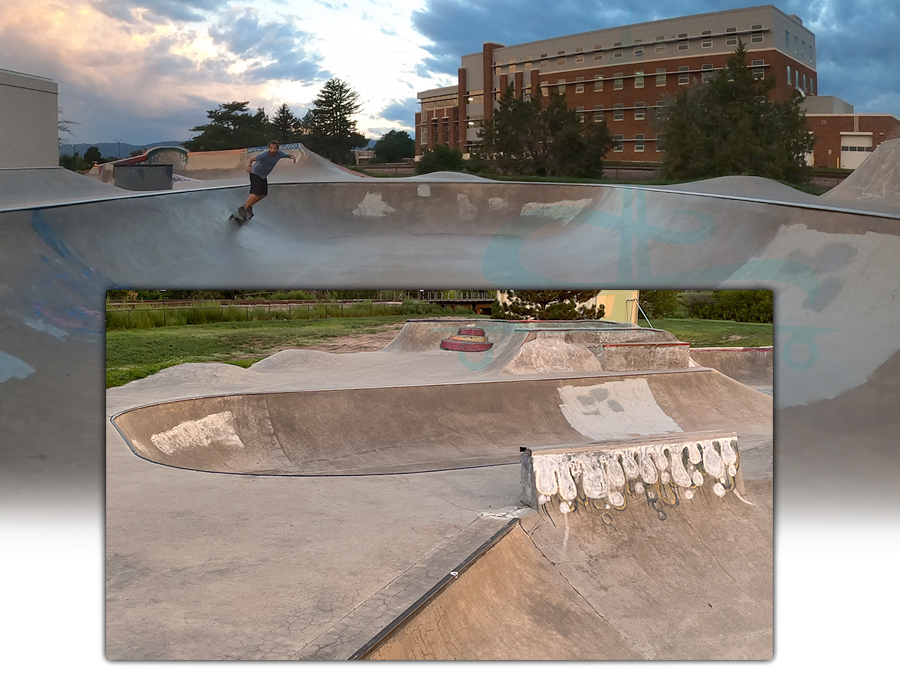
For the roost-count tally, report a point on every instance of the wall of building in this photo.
(28, 121)
(834, 132)
(611, 74)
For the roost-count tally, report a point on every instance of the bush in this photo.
(439, 158)
(658, 303)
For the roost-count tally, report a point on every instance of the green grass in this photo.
(710, 333)
(135, 354)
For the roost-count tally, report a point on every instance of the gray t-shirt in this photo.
(263, 164)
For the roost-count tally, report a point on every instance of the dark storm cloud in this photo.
(276, 50)
(855, 39)
(159, 11)
(401, 111)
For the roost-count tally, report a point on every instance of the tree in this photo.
(562, 305)
(441, 157)
(232, 125)
(531, 137)
(728, 126)
(92, 156)
(63, 127)
(286, 124)
(329, 129)
(394, 147)
(658, 303)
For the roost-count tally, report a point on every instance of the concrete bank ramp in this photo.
(571, 587)
(876, 181)
(748, 365)
(386, 430)
(22, 187)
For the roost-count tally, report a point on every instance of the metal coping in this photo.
(379, 638)
(414, 180)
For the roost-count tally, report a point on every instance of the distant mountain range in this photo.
(110, 149)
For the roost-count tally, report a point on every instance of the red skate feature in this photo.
(467, 340)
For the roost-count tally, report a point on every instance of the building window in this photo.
(618, 143)
(639, 110)
(598, 82)
(598, 117)
(579, 54)
(731, 40)
(796, 45)
(682, 35)
(544, 61)
(659, 145)
(638, 143)
(759, 73)
(619, 53)
(683, 76)
(618, 112)
(512, 67)
(706, 40)
(528, 65)
(684, 45)
(423, 137)
(659, 39)
(756, 38)
(638, 52)
(756, 27)
(804, 82)
(660, 48)
(619, 82)
(545, 88)
(661, 76)
(789, 74)
(812, 86)
(579, 84)
(811, 49)
(580, 110)
(561, 86)
(639, 79)
(561, 59)
(598, 52)
(787, 38)
(498, 70)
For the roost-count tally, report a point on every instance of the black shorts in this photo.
(258, 185)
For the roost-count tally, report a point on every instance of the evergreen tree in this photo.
(441, 157)
(92, 156)
(394, 147)
(230, 126)
(728, 126)
(329, 129)
(286, 125)
(559, 305)
(530, 137)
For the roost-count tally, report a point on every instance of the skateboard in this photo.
(238, 217)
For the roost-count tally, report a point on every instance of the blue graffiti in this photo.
(801, 335)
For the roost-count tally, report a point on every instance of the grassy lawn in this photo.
(135, 354)
(710, 333)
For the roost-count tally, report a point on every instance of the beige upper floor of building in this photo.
(762, 27)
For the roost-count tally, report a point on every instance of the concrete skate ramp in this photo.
(40, 185)
(697, 586)
(433, 427)
(216, 165)
(748, 365)
(876, 181)
(832, 270)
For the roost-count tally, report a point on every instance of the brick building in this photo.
(844, 139)
(620, 75)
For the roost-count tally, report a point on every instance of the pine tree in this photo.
(230, 126)
(728, 126)
(286, 125)
(332, 132)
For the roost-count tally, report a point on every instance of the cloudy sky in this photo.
(148, 70)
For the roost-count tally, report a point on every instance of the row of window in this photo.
(799, 82)
(856, 148)
(618, 78)
(800, 47)
(638, 46)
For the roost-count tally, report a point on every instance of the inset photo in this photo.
(439, 474)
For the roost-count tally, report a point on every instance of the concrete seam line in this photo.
(379, 638)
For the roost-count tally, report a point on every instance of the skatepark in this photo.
(371, 505)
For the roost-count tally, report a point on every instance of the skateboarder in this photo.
(259, 169)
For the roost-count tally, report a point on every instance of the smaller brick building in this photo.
(844, 139)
